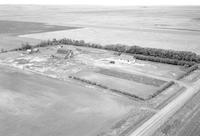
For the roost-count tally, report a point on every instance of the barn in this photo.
(126, 58)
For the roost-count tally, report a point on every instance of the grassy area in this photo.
(132, 77)
(129, 88)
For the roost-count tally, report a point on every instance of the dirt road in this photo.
(149, 127)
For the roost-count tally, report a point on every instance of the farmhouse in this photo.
(123, 58)
(34, 50)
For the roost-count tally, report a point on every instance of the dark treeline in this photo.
(165, 60)
(151, 54)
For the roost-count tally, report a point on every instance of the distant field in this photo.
(138, 89)
(9, 31)
(146, 38)
(20, 27)
(159, 27)
(11, 42)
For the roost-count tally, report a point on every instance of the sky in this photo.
(104, 2)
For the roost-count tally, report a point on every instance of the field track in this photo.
(149, 127)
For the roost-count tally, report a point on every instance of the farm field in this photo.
(11, 29)
(138, 89)
(75, 90)
(29, 102)
(10, 42)
(19, 27)
(143, 26)
(192, 128)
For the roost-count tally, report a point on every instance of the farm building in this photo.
(32, 50)
(64, 53)
(126, 58)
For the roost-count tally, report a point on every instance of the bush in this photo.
(25, 46)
